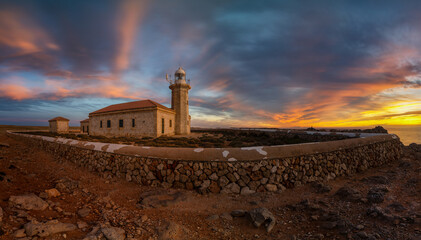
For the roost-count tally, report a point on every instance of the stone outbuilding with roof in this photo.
(84, 126)
(145, 117)
(59, 125)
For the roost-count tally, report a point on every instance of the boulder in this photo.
(28, 202)
(48, 228)
(259, 216)
(114, 233)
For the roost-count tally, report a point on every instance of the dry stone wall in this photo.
(270, 174)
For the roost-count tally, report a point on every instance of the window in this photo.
(87, 129)
(83, 128)
(100, 124)
(163, 126)
(120, 123)
(170, 123)
(108, 123)
(133, 123)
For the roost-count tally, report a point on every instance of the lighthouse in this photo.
(180, 102)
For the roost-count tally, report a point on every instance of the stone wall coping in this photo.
(256, 153)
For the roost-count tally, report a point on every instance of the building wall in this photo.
(59, 126)
(145, 124)
(84, 127)
(167, 116)
(287, 166)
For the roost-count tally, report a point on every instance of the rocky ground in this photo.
(43, 199)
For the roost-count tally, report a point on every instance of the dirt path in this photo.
(392, 209)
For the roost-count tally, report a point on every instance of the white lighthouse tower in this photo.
(180, 101)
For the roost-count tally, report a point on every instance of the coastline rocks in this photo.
(48, 228)
(259, 216)
(28, 202)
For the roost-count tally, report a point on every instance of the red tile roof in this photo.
(131, 106)
(58, 119)
(86, 120)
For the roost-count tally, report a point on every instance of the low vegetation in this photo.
(208, 139)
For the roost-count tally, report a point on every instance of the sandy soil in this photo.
(301, 213)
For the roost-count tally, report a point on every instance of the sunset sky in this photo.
(251, 63)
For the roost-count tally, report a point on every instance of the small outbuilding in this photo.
(84, 126)
(59, 125)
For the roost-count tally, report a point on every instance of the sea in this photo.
(407, 134)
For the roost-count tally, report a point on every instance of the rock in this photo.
(321, 188)
(271, 187)
(82, 225)
(238, 213)
(359, 227)
(214, 187)
(348, 194)
(259, 216)
(231, 188)
(28, 202)
(246, 191)
(144, 218)
(375, 196)
(172, 231)
(48, 228)
(3, 144)
(226, 216)
(52, 192)
(1, 215)
(114, 233)
(19, 233)
(84, 212)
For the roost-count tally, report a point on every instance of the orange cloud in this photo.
(130, 14)
(15, 92)
(21, 33)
